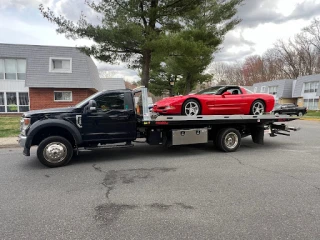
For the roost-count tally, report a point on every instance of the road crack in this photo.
(275, 172)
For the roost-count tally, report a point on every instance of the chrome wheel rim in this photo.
(258, 108)
(191, 109)
(231, 140)
(300, 114)
(55, 152)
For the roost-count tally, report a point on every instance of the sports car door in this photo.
(231, 103)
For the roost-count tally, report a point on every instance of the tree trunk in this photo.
(146, 60)
(188, 83)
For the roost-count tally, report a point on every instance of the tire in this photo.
(300, 114)
(257, 108)
(228, 140)
(55, 151)
(191, 107)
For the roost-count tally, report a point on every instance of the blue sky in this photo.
(263, 22)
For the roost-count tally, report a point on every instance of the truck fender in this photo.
(44, 123)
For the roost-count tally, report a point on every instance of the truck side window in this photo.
(110, 101)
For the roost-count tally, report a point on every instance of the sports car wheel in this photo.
(191, 108)
(257, 108)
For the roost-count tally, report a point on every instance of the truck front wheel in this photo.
(228, 139)
(54, 151)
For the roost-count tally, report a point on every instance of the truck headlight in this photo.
(24, 124)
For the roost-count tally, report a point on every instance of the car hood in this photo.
(170, 100)
(49, 111)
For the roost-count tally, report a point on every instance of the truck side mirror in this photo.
(91, 107)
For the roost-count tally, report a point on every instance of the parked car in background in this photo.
(218, 100)
(289, 109)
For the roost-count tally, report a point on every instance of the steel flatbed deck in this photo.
(216, 119)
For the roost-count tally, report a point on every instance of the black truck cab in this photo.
(105, 117)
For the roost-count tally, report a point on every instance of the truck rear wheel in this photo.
(228, 140)
(54, 151)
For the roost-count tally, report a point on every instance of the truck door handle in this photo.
(119, 117)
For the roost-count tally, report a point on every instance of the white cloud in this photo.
(22, 4)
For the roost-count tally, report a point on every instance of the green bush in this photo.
(12, 108)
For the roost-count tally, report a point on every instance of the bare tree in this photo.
(224, 73)
(307, 54)
(253, 70)
(314, 31)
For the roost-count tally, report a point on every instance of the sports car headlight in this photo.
(169, 107)
(24, 124)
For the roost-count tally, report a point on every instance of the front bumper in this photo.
(22, 140)
(166, 110)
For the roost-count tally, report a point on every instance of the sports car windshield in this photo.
(212, 90)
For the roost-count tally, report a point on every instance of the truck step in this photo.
(109, 146)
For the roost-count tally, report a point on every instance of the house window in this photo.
(12, 105)
(311, 104)
(14, 102)
(60, 65)
(13, 69)
(62, 96)
(273, 90)
(23, 102)
(263, 89)
(2, 105)
(1, 69)
(311, 87)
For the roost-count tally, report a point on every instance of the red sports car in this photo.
(218, 100)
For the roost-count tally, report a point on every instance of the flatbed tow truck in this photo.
(60, 133)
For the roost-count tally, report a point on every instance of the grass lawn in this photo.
(312, 115)
(9, 126)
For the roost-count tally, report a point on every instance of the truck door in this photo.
(114, 119)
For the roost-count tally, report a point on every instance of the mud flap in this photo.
(257, 134)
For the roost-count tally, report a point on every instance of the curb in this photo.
(10, 146)
(311, 119)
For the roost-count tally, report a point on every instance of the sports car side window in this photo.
(234, 91)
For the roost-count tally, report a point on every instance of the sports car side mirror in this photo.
(225, 93)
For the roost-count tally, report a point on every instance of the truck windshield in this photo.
(83, 102)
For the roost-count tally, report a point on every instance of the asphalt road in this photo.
(149, 192)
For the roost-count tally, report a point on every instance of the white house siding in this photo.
(13, 85)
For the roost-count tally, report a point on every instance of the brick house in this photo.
(35, 77)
